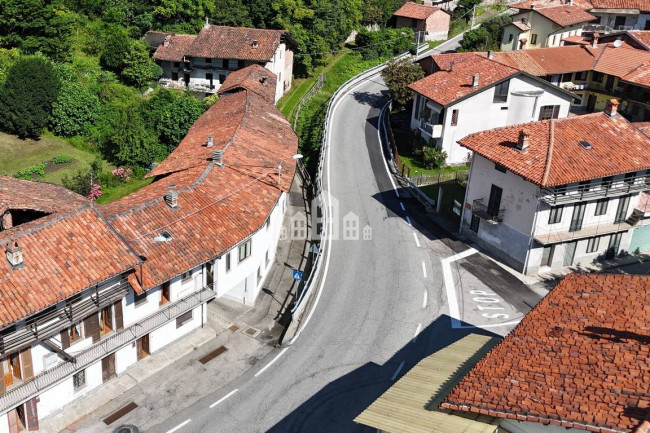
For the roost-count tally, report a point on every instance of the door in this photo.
(16, 419)
(614, 243)
(210, 78)
(474, 223)
(186, 78)
(619, 22)
(108, 367)
(31, 412)
(547, 255)
(164, 293)
(591, 103)
(495, 200)
(577, 217)
(143, 346)
(106, 322)
(569, 253)
(15, 365)
(8, 374)
(621, 211)
(209, 274)
(609, 84)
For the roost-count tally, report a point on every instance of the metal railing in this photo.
(49, 378)
(484, 212)
(555, 195)
(306, 97)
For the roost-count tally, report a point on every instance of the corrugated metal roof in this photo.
(411, 404)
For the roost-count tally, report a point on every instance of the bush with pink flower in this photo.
(95, 191)
(124, 174)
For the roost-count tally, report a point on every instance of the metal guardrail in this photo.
(315, 88)
(47, 379)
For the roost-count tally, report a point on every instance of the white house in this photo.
(558, 192)
(469, 92)
(86, 293)
(614, 15)
(203, 62)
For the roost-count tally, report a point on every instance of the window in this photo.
(647, 173)
(581, 76)
(547, 255)
(416, 106)
(584, 186)
(566, 78)
(494, 203)
(174, 76)
(510, 36)
(549, 112)
(75, 331)
(266, 223)
(208, 60)
(266, 257)
(501, 92)
(241, 64)
(165, 293)
(606, 183)
(619, 21)
(186, 276)
(614, 243)
(259, 274)
(601, 207)
(139, 298)
(560, 190)
(183, 319)
(555, 216)
(621, 211)
(79, 380)
(629, 178)
(222, 78)
(577, 217)
(533, 38)
(454, 117)
(597, 77)
(473, 225)
(177, 64)
(227, 262)
(592, 244)
(245, 250)
(499, 167)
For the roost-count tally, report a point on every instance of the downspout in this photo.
(532, 232)
(469, 178)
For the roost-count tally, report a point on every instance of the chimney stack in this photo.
(15, 255)
(490, 54)
(475, 81)
(210, 141)
(171, 198)
(217, 157)
(166, 41)
(451, 66)
(7, 221)
(524, 140)
(611, 107)
(594, 42)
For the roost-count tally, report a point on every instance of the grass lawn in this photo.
(450, 191)
(112, 194)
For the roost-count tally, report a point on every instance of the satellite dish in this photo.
(618, 43)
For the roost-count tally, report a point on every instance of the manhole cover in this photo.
(251, 331)
(233, 328)
(127, 429)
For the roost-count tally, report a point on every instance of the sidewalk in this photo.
(173, 377)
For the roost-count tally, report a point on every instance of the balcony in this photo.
(559, 195)
(556, 237)
(49, 378)
(482, 211)
(434, 131)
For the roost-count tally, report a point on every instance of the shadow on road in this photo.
(334, 407)
(371, 98)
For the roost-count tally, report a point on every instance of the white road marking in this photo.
(224, 398)
(424, 269)
(408, 220)
(417, 242)
(381, 148)
(180, 426)
(402, 206)
(397, 371)
(426, 298)
(454, 310)
(417, 331)
(271, 362)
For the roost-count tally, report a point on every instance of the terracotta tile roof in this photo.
(176, 50)
(527, 5)
(643, 126)
(445, 86)
(69, 250)
(579, 359)
(254, 78)
(547, 61)
(218, 207)
(415, 11)
(579, 40)
(521, 25)
(619, 61)
(555, 156)
(236, 43)
(566, 15)
(153, 39)
(641, 36)
(641, 5)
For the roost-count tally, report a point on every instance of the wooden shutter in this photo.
(32, 415)
(26, 358)
(65, 339)
(556, 111)
(91, 327)
(12, 417)
(119, 316)
(3, 387)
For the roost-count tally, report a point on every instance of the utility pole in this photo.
(417, 46)
(473, 12)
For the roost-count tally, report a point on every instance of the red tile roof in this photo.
(65, 252)
(548, 61)
(416, 11)
(555, 156)
(579, 359)
(566, 15)
(236, 43)
(641, 5)
(579, 40)
(641, 36)
(445, 86)
(176, 48)
(643, 126)
(521, 25)
(254, 78)
(526, 5)
(218, 207)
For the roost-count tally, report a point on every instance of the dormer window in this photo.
(208, 60)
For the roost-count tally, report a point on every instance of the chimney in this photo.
(210, 141)
(15, 255)
(524, 140)
(475, 81)
(451, 66)
(166, 41)
(490, 54)
(7, 221)
(217, 157)
(532, 7)
(594, 42)
(256, 43)
(171, 198)
(611, 107)
(207, 23)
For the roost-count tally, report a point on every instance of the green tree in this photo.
(139, 69)
(398, 75)
(116, 47)
(486, 37)
(75, 110)
(183, 15)
(130, 142)
(231, 13)
(170, 116)
(463, 9)
(25, 104)
(379, 11)
(384, 42)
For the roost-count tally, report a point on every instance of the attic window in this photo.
(585, 144)
(256, 43)
(15, 217)
(163, 237)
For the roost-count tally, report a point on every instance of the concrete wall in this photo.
(437, 26)
(638, 22)
(479, 112)
(513, 426)
(641, 237)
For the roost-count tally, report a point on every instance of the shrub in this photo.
(75, 111)
(431, 157)
(398, 75)
(61, 159)
(383, 43)
(123, 174)
(34, 169)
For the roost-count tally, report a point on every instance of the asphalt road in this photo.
(382, 308)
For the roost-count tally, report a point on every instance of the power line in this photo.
(351, 49)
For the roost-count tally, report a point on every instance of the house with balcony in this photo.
(203, 62)
(540, 24)
(614, 15)
(432, 22)
(468, 92)
(88, 292)
(555, 193)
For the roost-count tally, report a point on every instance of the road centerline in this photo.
(271, 362)
(417, 332)
(424, 269)
(426, 298)
(180, 426)
(417, 241)
(224, 398)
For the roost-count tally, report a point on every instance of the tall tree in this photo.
(25, 104)
(182, 15)
(398, 75)
(117, 45)
(75, 110)
(486, 37)
(139, 69)
(231, 13)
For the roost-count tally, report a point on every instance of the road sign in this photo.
(297, 275)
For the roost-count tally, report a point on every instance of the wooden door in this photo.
(32, 414)
(106, 322)
(6, 369)
(165, 293)
(15, 365)
(26, 360)
(143, 347)
(108, 367)
(15, 424)
(91, 327)
(119, 316)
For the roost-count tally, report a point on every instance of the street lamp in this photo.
(297, 157)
